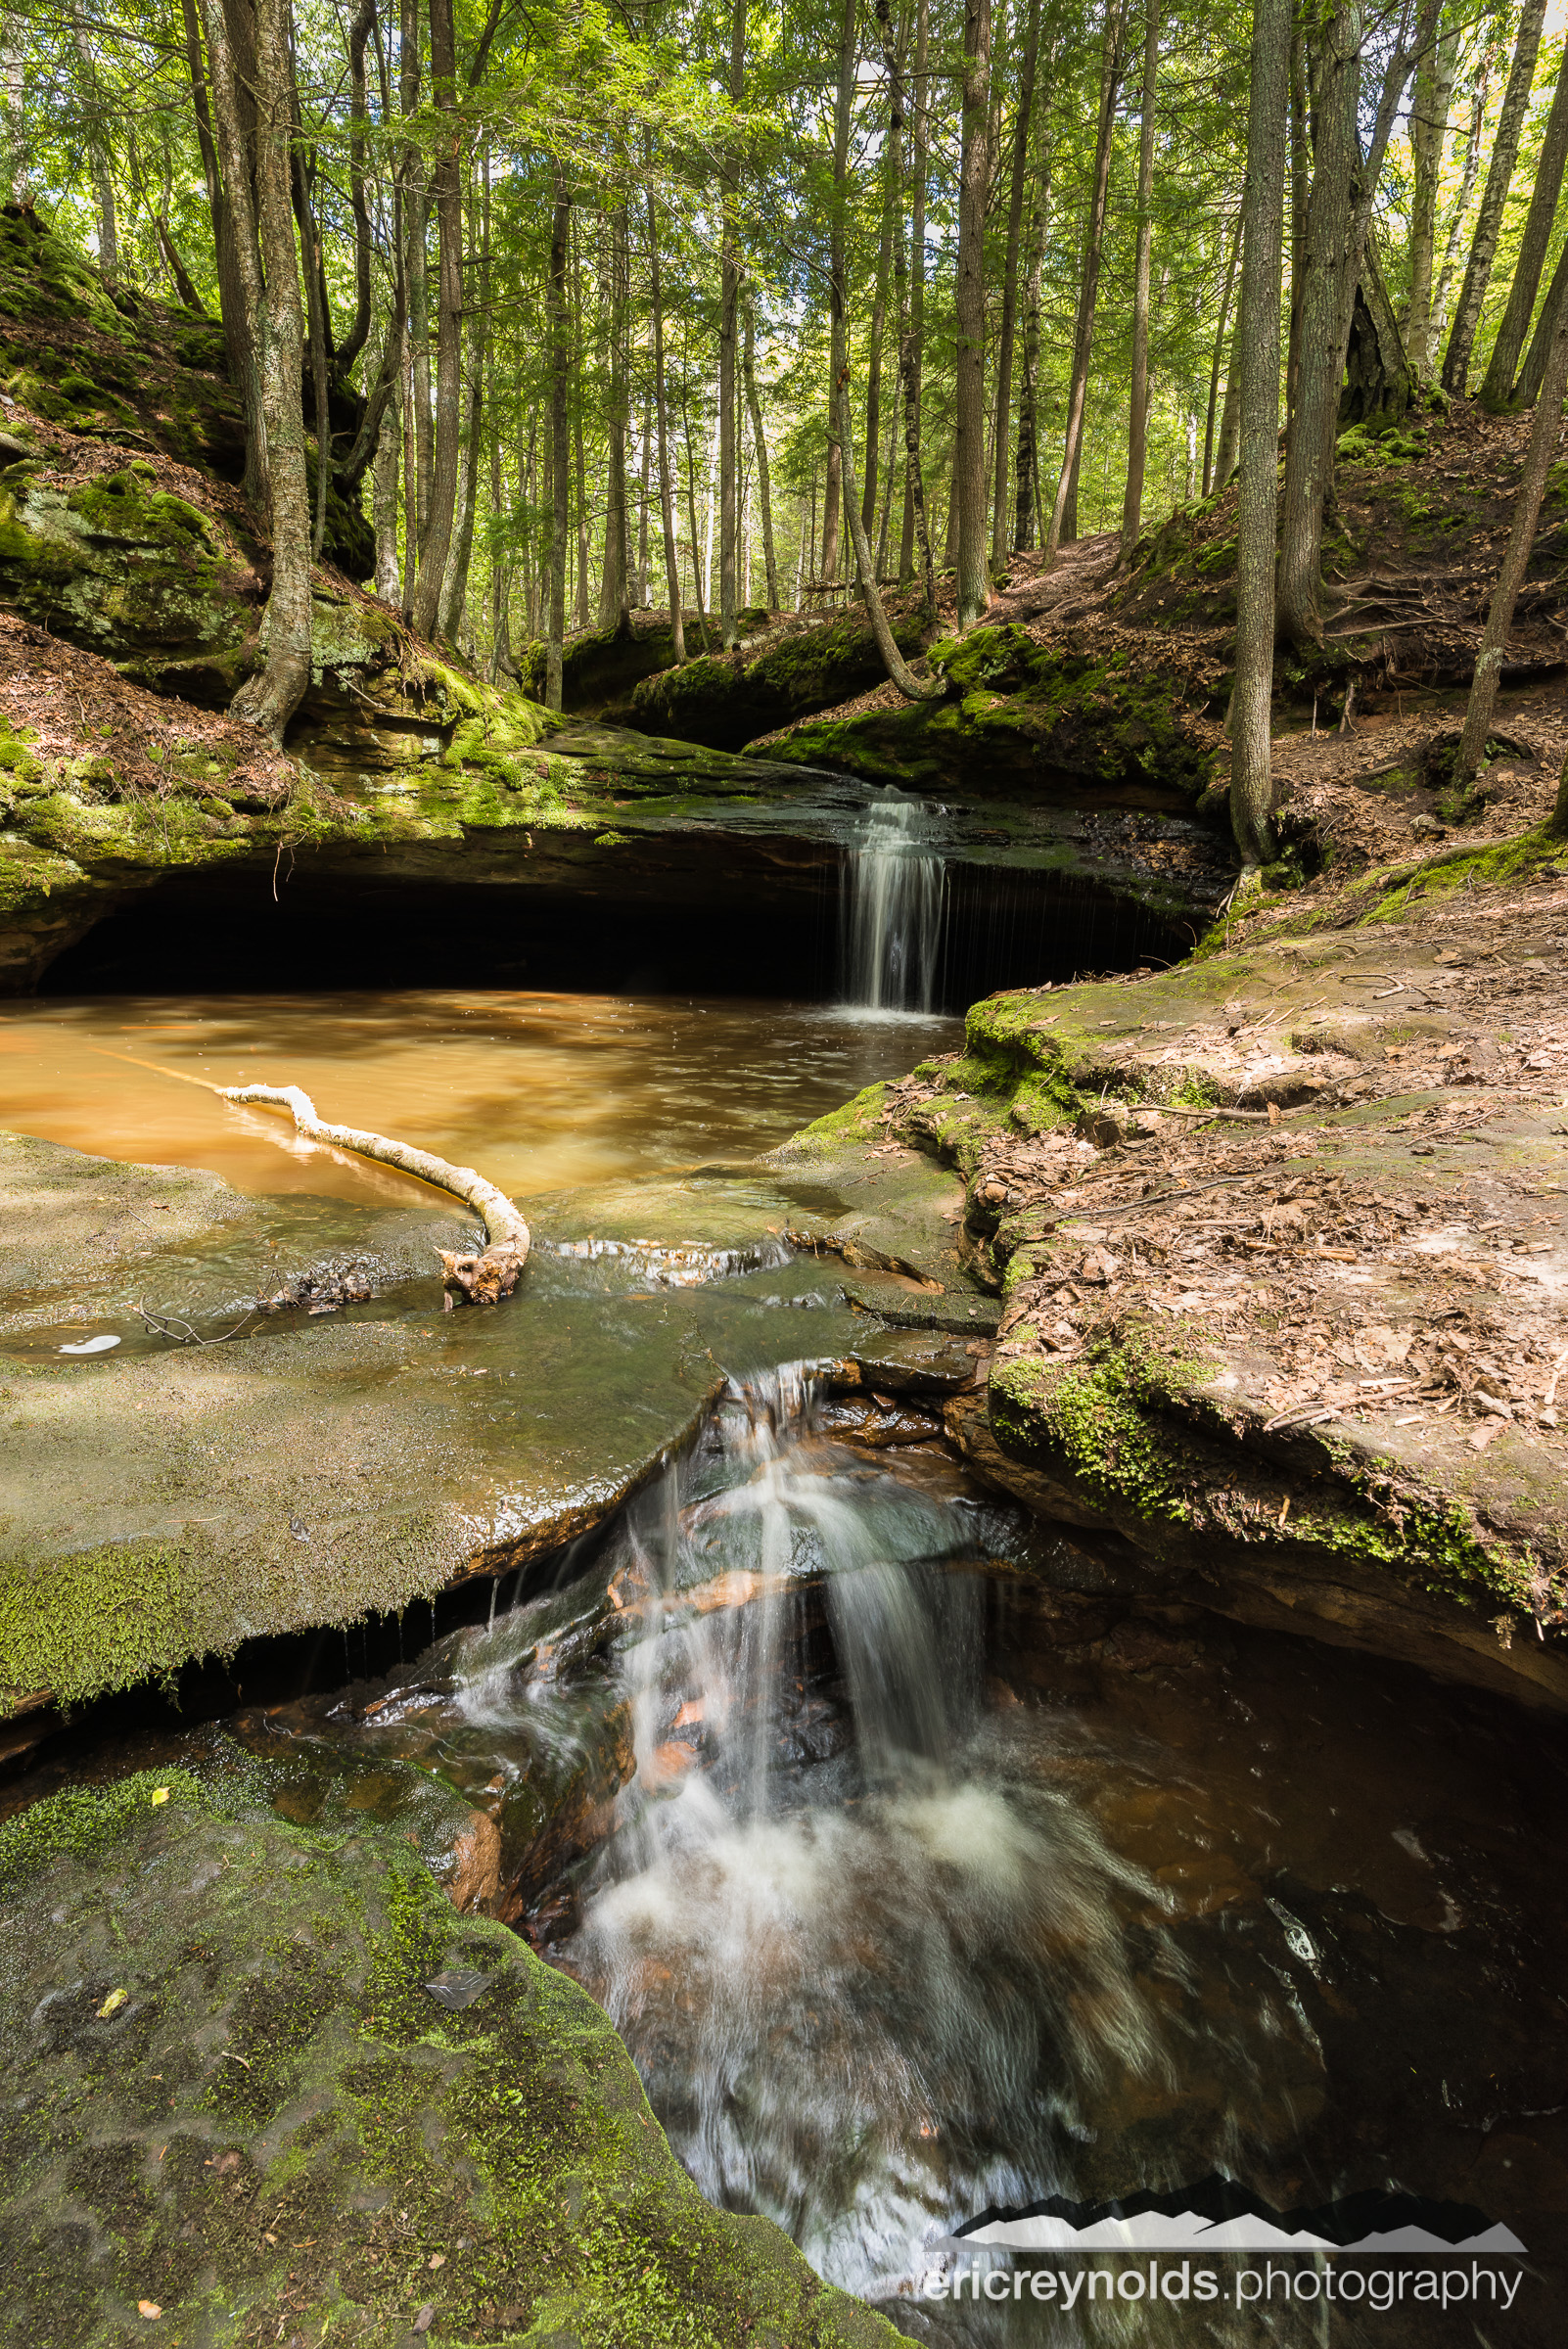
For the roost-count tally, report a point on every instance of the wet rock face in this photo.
(255, 2071)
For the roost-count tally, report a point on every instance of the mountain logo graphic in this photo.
(1218, 2215)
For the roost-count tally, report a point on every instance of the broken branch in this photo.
(484, 1278)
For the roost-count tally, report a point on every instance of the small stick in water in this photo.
(482, 1279)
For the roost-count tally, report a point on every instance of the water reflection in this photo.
(542, 1091)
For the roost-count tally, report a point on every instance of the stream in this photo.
(923, 1866)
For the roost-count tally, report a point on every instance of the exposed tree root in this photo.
(481, 1279)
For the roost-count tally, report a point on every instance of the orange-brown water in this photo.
(540, 1091)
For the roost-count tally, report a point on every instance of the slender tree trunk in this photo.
(242, 330)
(890, 173)
(559, 437)
(269, 698)
(448, 190)
(384, 498)
(1026, 516)
(644, 463)
(454, 584)
(1429, 130)
(1551, 310)
(699, 597)
(837, 290)
(728, 331)
(1545, 433)
(764, 495)
(416, 271)
(615, 585)
(1479, 87)
(667, 502)
(1251, 791)
(99, 158)
(1022, 138)
(1301, 184)
(1208, 481)
(316, 325)
(969, 403)
(1498, 387)
(14, 140)
(914, 689)
(1224, 458)
(1493, 196)
(1138, 410)
(1309, 454)
(360, 32)
(1064, 512)
(911, 304)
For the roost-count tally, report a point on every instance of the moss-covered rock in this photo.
(262, 2082)
(727, 700)
(1028, 718)
(602, 668)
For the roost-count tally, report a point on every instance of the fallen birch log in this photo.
(482, 1279)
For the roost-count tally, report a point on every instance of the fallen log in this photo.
(482, 1279)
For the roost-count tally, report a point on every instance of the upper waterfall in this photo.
(890, 924)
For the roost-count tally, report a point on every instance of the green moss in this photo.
(99, 1620)
(859, 1121)
(1385, 895)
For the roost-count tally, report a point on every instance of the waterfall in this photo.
(873, 1981)
(891, 927)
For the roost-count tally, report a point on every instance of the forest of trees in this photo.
(666, 302)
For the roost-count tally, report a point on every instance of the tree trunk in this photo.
(269, 699)
(359, 34)
(728, 330)
(455, 585)
(1320, 363)
(1138, 409)
(1498, 387)
(1535, 366)
(416, 276)
(243, 314)
(764, 495)
(98, 157)
(560, 438)
(969, 399)
(447, 189)
(912, 359)
(890, 167)
(1493, 196)
(184, 284)
(1252, 790)
(667, 501)
(1210, 483)
(1064, 511)
(838, 290)
(1027, 516)
(614, 586)
(914, 689)
(644, 451)
(1379, 384)
(1300, 181)
(1000, 437)
(1544, 433)
(698, 597)
(384, 500)
(1429, 129)
(1479, 87)
(1225, 456)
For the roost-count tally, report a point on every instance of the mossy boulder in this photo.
(1026, 718)
(727, 700)
(601, 667)
(262, 2083)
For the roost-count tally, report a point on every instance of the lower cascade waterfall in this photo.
(893, 909)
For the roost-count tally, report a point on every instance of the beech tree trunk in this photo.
(666, 500)
(1320, 352)
(1064, 511)
(916, 532)
(1551, 310)
(1493, 196)
(560, 439)
(383, 499)
(1139, 408)
(837, 290)
(1003, 404)
(1479, 87)
(1027, 520)
(914, 689)
(1498, 387)
(969, 401)
(416, 277)
(1210, 483)
(1545, 433)
(728, 335)
(270, 698)
(764, 495)
(448, 190)
(615, 583)
(241, 286)
(1433, 96)
(1252, 790)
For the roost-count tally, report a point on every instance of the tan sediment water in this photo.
(541, 1091)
